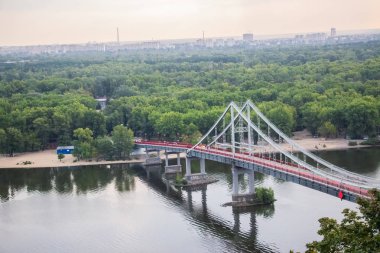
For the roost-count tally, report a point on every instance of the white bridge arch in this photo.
(244, 137)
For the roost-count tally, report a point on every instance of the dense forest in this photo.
(174, 94)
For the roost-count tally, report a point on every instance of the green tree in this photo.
(83, 134)
(170, 124)
(84, 145)
(14, 140)
(283, 116)
(3, 140)
(327, 130)
(42, 128)
(104, 147)
(362, 115)
(356, 232)
(61, 156)
(123, 141)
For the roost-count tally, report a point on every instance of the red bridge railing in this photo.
(276, 164)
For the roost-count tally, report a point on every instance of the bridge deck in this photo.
(287, 168)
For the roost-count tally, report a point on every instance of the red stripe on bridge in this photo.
(289, 168)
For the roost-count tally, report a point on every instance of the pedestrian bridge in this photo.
(246, 139)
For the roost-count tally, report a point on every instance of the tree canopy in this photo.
(332, 90)
(357, 232)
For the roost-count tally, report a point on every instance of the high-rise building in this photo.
(117, 35)
(248, 37)
(333, 32)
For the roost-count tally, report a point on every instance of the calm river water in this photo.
(95, 209)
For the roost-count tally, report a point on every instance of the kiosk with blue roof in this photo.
(65, 150)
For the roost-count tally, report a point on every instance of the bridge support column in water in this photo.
(152, 160)
(189, 176)
(242, 197)
(177, 168)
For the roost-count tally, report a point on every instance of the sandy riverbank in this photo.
(48, 158)
(317, 144)
(304, 139)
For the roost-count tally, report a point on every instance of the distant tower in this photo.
(203, 37)
(117, 35)
(333, 32)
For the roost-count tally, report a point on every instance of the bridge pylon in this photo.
(245, 131)
(245, 137)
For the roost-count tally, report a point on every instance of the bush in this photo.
(264, 195)
(371, 141)
(352, 143)
(180, 180)
(61, 156)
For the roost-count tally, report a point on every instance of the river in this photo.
(121, 209)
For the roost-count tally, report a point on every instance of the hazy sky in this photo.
(78, 21)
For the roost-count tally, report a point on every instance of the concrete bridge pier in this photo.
(242, 198)
(152, 160)
(177, 168)
(191, 177)
(147, 151)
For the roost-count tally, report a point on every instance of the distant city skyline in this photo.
(34, 22)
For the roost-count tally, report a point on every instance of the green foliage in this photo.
(282, 115)
(104, 147)
(123, 141)
(83, 135)
(14, 140)
(371, 141)
(352, 143)
(180, 180)
(83, 146)
(355, 233)
(118, 146)
(264, 195)
(363, 117)
(177, 95)
(170, 125)
(327, 130)
(84, 150)
(3, 140)
(61, 156)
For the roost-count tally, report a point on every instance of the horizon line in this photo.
(268, 36)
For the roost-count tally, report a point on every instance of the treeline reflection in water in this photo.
(126, 206)
(90, 178)
(234, 236)
(64, 180)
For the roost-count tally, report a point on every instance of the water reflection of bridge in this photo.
(97, 178)
(211, 223)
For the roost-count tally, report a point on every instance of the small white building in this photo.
(102, 102)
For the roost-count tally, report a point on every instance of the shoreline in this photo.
(49, 159)
(76, 164)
